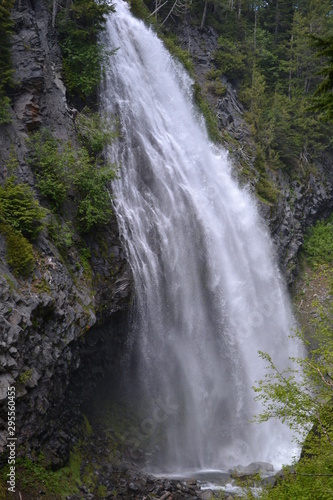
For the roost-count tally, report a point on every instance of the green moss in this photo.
(102, 491)
(43, 286)
(11, 283)
(34, 477)
(88, 427)
(85, 257)
(171, 43)
(24, 377)
(210, 117)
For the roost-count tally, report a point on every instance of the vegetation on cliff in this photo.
(64, 172)
(6, 72)
(302, 397)
(79, 24)
(266, 49)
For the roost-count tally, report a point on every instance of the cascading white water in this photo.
(208, 294)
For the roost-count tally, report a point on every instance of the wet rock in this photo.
(207, 495)
(133, 487)
(260, 468)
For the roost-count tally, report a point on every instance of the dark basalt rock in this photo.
(59, 328)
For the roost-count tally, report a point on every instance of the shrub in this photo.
(182, 55)
(318, 243)
(95, 200)
(210, 117)
(82, 67)
(230, 59)
(6, 71)
(61, 234)
(53, 163)
(20, 210)
(61, 168)
(5, 115)
(19, 251)
(79, 25)
(94, 131)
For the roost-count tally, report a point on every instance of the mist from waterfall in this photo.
(208, 293)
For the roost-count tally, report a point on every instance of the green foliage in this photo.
(20, 256)
(302, 397)
(53, 163)
(170, 41)
(210, 117)
(82, 66)
(231, 59)
(318, 244)
(140, 10)
(95, 131)
(79, 25)
(21, 219)
(61, 169)
(58, 484)
(20, 210)
(6, 71)
(61, 233)
(323, 98)
(266, 189)
(6, 30)
(5, 115)
(265, 49)
(91, 181)
(255, 99)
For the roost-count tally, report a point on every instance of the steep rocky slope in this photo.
(52, 322)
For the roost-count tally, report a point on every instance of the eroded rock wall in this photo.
(51, 323)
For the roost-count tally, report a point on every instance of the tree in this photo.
(6, 71)
(79, 25)
(302, 396)
(323, 100)
(6, 26)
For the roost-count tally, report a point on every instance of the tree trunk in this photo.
(54, 12)
(290, 72)
(203, 20)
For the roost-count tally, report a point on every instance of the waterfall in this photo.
(208, 293)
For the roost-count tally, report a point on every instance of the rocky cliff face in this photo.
(301, 202)
(53, 333)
